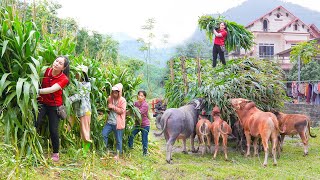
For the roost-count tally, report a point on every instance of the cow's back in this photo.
(293, 122)
(259, 122)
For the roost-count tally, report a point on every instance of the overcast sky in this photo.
(178, 18)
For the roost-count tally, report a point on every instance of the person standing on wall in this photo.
(219, 44)
(50, 98)
(144, 124)
(117, 117)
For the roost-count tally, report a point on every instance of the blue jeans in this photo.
(117, 132)
(144, 132)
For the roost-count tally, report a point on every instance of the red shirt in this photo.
(48, 81)
(220, 40)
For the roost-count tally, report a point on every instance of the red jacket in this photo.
(220, 40)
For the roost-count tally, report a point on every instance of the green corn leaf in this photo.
(4, 47)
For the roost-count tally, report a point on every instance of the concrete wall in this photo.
(311, 110)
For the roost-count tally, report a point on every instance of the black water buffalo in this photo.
(180, 122)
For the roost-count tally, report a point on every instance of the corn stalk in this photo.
(238, 36)
(257, 80)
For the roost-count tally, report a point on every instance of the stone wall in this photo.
(311, 110)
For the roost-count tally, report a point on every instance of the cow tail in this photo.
(204, 126)
(220, 129)
(165, 119)
(313, 136)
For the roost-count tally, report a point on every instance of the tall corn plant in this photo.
(257, 80)
(19, 72)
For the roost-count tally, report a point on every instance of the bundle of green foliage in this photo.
(257, 80)
(238, 36)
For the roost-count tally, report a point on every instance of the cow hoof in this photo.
(305, 154)
(169, 161)
(264, 165)
(275, 164)
(184, 152)
(194, 151)
(226, 160)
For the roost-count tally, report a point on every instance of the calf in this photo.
(237, 131)
(219, 128)
(203, 132)
(292, 124)
(257, 123)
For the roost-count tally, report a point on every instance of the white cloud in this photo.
(178, 18)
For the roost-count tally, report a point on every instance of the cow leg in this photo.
(169, 152)
(184, 140)
(216, 145)
(193, 135)
(274, 137)
(170, 144)
(282, 140)
(208, 143)
(304, 140)
(255, 146)
(225, 143)
(248, 138)
(266, 150)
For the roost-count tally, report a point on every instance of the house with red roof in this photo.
(276, 32)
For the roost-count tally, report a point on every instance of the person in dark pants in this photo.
(144, 124)
(50, 97)
(219, 44)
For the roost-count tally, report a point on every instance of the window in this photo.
(287, 14)
(278, 15)
(295, 27)
(302, 26)
(292, 45)
(265, 25)
(266, 50)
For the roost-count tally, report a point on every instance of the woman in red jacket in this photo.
(50, 97)
(219, 42)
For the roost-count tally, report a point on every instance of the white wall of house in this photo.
(283, 32)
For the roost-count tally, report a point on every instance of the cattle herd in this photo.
(252, 124)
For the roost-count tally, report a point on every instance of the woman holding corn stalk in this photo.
(82, 106)
(117, 117)
(50, 97)
(144, 124)
(219, 45)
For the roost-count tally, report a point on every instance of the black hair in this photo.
(225, 25)
(143, 92)
(85, 77)
(66, 65)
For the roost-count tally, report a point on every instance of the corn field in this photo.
(25, 54)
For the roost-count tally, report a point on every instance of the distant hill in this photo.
(243, 14)
(250, 10)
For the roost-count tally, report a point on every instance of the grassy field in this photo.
(291, 165)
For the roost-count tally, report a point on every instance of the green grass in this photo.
(291, 165)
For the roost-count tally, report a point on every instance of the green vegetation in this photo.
(291, 165)
(238, 36)
(257, 80)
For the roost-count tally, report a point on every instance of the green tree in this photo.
(147, 42)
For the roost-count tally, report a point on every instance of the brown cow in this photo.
(257, 123)
(219, 128)
(203, 132)
(292, 124)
